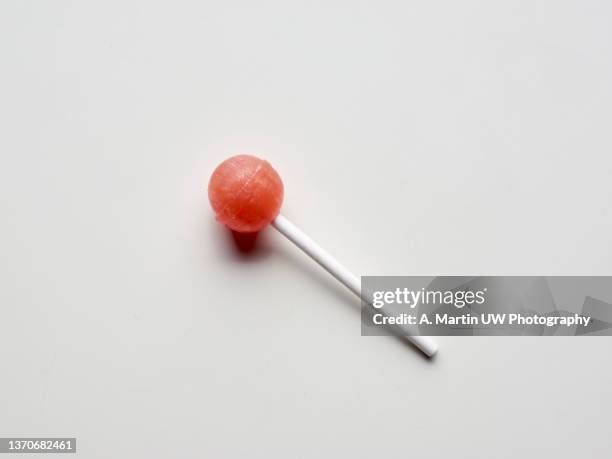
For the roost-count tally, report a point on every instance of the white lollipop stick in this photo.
(331, 265)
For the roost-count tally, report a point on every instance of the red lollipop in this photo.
(246, 193)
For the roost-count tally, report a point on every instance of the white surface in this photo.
(413, 137)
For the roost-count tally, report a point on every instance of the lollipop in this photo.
(246, 194)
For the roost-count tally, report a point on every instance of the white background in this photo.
(414, 138)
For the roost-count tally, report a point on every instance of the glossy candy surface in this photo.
(246, 193)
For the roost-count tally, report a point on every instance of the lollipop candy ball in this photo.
(246, 193)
